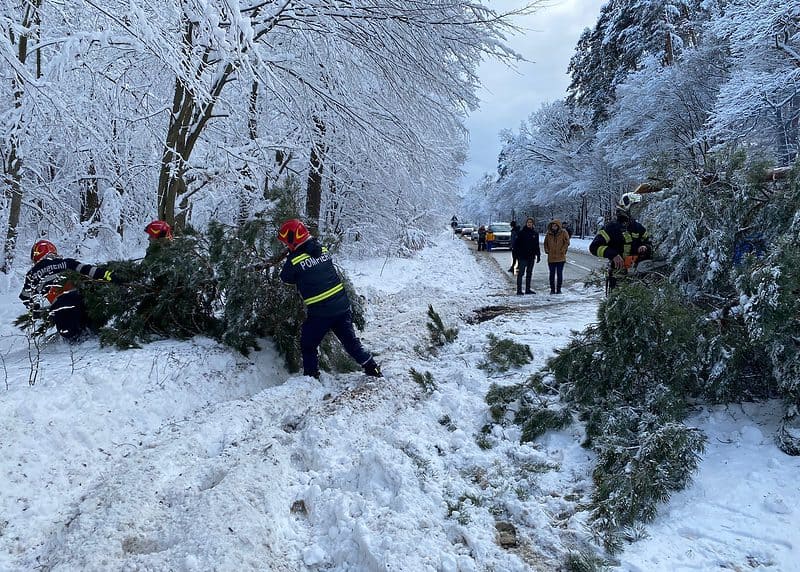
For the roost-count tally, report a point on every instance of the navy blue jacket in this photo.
(527, 244)
(618, 239)
(48, 276)
(311, 269)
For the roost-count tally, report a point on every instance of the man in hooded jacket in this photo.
(556, 243)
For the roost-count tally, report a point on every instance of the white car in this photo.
(502, 234)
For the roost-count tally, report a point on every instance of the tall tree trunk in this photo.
(90, 198)
(187, 120)
(171, 183)
(669, 51)
(13, 184)
(249, 191)
(315, 167)
(118, 185)
(12, 166)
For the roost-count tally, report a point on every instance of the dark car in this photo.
(502, 234)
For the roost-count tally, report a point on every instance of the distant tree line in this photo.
(659, 89)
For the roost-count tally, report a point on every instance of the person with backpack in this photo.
(624, 241)
(310, 268)
(48, 292)
(526, 250)
(556, 243)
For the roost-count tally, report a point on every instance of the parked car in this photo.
(466, 229)
(474, 235)
(502, 234)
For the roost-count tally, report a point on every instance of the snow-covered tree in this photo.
(191, 110)
(760, 103)
(627, 33)
(657, 123)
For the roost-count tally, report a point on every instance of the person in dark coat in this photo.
(481, 238)
(526, 250)
(514, 235)
(310, 268)
(624, 241)
(47, 291)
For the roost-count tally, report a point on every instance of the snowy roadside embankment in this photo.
(188, 456)
(184, 455)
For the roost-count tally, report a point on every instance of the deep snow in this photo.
(188, 456)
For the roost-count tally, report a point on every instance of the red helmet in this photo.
(158, 229)
(42, 249)
(293, 233)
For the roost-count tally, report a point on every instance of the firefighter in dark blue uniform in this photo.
(624, 242)
(310, 268)
(47, 289)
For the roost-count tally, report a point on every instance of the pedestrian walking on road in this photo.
(526, 250)
(556, 243)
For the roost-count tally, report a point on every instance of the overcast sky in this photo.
(509, 96)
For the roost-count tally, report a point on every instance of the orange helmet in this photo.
(42, 249)
(293, 233)
(158, 229)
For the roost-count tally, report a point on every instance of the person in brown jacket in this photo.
(556, 242)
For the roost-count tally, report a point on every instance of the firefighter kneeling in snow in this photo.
(624, 242)
(46, 288)
(310, 268)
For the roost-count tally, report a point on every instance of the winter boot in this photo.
(372, 369)
(528, 286)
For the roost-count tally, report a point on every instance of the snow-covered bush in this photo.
(629, 377)
(223, 284)
(502, 354)
(734, 245)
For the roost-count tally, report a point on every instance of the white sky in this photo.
(187, 456)
(509, 96)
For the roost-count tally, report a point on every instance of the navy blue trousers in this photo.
(556, 275)
(315, 328)
(68, 313)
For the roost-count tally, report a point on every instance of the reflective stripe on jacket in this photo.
(47, 279)
(310, 268)
(615, 239)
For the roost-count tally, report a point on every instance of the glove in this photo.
(108, 276)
